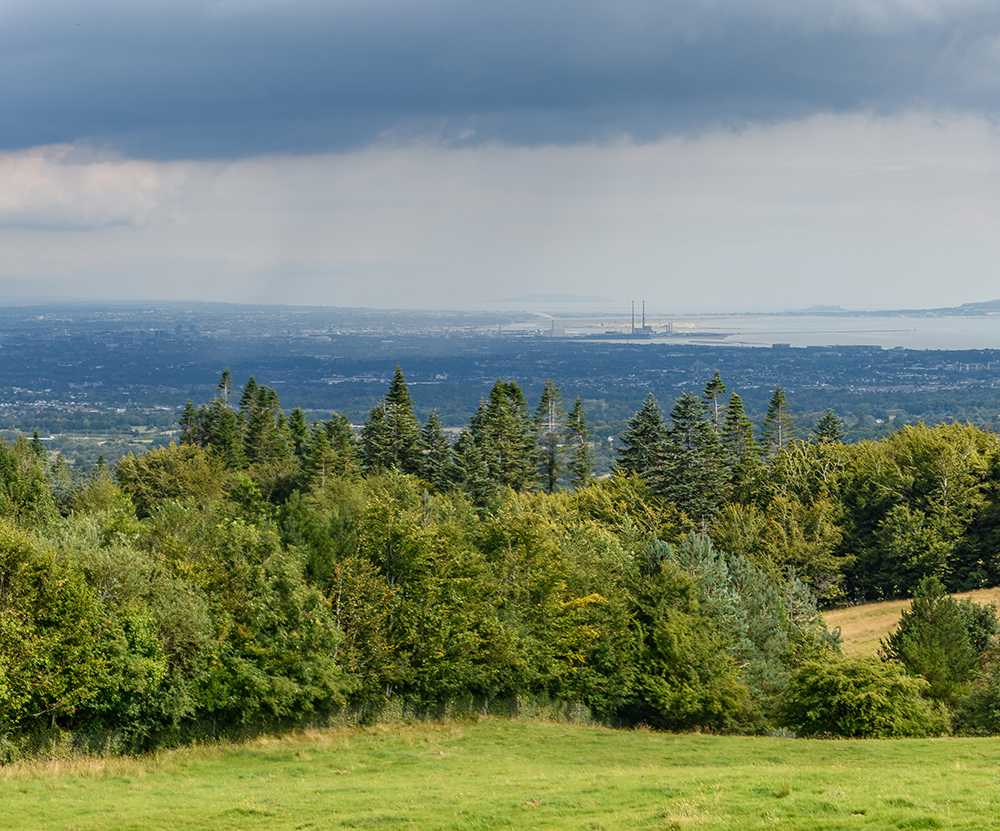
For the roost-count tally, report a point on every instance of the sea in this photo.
(803, 330)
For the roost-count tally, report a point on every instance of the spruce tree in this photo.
(299, 430)
(581, 462)
(740, 453)
(549, 425)
(340, 434)
(36, 446)
(504, 434)
(829, 428)
(437, 464)
(643, 439)
(471, 472)
(779, 425)
(389, 436)
(690, 470)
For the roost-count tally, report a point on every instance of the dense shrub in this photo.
(858, 697)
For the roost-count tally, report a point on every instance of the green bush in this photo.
(858, 697)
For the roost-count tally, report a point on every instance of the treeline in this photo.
(268, 571)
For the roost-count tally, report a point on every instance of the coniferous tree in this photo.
(581, 462)
(932, 641)
(690, 469)
(437, 464)
(779, 425)
(36, 446)
(225, 386)
(504, 433)
(341, 436)
(189, 424)
(299, 430)
(643, 439)
(224, 435)
(712, 396)
(740, 453)
(471, 472)
(549, 421)
(266, 438)
(389, 436)
(829, 428)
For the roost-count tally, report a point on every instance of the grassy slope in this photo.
(518, 775)
(862, 627)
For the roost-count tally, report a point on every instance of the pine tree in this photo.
(779, 425)
(712, 396)
(643, 439)
(932, 641)
(829, 428)
(549, 425)
(581, 463)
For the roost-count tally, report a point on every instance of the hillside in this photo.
(862, 627)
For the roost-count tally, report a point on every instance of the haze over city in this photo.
(704, 156)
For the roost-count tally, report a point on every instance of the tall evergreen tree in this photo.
(829, 428)
(472, 474)
(581, 462)
(249, 398)
(389, 436)
(643, 439)
(504, 434)
(740, 453)
(712, 396)
(437, 464)
(341, 436)
(690, 470)
(189, 424)
(299, 430)
(549, 425)
(266, 438)
(779, 424)
(225, 386)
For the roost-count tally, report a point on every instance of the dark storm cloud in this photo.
(231, 79)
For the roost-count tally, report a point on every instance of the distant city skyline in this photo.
(729, 156)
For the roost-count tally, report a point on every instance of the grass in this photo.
(496, 774)
(862, 627)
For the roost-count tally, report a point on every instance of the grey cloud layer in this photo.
(231, 79)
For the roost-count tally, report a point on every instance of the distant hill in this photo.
(981, 309)
(555, 298)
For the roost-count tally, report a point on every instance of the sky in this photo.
(701, 155)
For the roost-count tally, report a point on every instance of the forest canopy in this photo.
(271, 571)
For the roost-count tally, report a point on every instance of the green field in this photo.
(515, 774)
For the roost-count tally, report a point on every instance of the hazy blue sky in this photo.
(699, 154)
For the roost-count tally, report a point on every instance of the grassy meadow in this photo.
(862, 627)
(518, 775)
